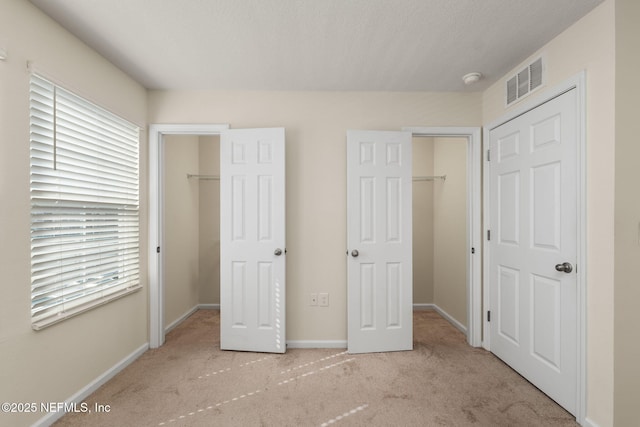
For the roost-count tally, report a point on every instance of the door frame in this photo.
(577, 82)
(156, 220)
(473, 219)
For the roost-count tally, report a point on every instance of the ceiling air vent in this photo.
(525, 81)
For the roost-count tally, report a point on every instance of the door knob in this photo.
(355, 253)
(277, 252)
(565, 266)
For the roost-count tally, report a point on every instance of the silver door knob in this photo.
(277, 252)
(355, 253)
(565, 266)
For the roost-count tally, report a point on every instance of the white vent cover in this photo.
(525, 81)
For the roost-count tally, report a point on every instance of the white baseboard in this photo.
(181, 319)
(189, 313)
(590, 423)
(77, 398)
(423, 307)
(317, 344)
(459, 326)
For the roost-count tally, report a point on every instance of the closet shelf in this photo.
(204, 177)
(430, 178)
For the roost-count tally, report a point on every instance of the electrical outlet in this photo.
(323, 299)
(314, 299)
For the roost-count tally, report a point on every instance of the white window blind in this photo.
(84, 204)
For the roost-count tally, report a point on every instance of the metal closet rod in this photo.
(204, 177)
(429, 178)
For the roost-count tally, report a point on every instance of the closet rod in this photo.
(204, 177)
(429, 178)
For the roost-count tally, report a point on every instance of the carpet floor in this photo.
(443, 382)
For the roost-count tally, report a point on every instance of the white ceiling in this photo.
(372, 45)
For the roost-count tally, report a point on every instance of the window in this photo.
(84, 204)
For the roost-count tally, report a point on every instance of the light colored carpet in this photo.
(442, 382)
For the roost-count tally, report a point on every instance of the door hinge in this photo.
(489, 316)
(473, 250)
(488, 234)
(158, 249)
(488, 155)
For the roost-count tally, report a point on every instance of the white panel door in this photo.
(380, 277)
(533, 225)
(252, 240)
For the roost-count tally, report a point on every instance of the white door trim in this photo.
(577, 82)
(474, 227)
(156, 228)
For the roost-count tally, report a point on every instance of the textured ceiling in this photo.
(377, 45)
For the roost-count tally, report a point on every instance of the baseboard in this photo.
(459, 326)
(77, 398)
(317, 344)
(590, 423)
(181, 319)
(188, 313)
(423, 307)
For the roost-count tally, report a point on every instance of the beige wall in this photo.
(589, 45)
(316, 125)
(55, 363)
(627, 216)
(450, 227)
(209, 219)
(423, 222)
(181, 226)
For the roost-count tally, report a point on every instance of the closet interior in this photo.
(440, 226)
(191, 215)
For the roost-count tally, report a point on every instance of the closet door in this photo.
(533, 247)
(252, 240)
(379, 233)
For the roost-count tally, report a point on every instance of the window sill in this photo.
(52, 320)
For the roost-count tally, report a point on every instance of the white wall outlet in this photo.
(313, 300)
(323, 299)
